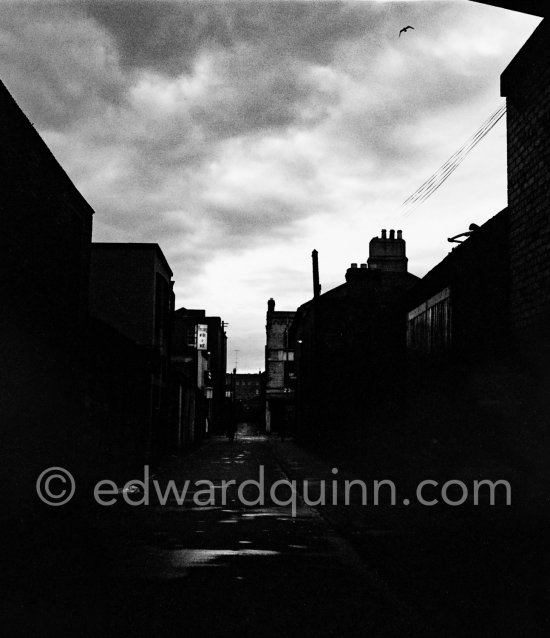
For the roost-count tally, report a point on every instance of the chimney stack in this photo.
(271, 305)
(388, 253)
(315, 265)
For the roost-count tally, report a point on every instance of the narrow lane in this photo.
(223, 569)
(257, 570)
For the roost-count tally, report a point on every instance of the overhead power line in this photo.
(428, 188)
(455, 159)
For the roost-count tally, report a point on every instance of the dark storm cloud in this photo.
(218, 123)
(264, 216)
(57, 63)
(262, 99)
(166, 36)
(162, 36)
(233, 133)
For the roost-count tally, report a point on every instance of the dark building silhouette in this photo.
(247, 386)
(199, 360)
(279, 370)
(526, 86)
(460, 383)
(525, 83)
(86, 336)
(45, 234)
(246, 392)
(460, 306)
(131, 291)
(479, 322)
(116, 435)
(217, 347)
(350, 345)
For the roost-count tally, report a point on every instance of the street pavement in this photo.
(223, 569)
(231, 569)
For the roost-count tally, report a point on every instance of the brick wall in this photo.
(278, 326)
(526, 85)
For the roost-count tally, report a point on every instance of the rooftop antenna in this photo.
(236, 359)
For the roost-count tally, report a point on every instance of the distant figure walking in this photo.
(231, 430)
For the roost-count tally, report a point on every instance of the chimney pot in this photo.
(271, 305)
(363, 265)
(388, 253)
(354, 265)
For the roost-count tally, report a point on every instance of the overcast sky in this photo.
(241, 135)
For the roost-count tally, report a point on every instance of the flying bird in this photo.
(404, 30)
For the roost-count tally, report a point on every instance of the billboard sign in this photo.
(202, 336)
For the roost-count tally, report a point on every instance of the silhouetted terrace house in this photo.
(199, 358)
(247, 386)
(45, 234)
(279, 370)
(350, 346)
(247, 391)
(458, 337)
(131, 291)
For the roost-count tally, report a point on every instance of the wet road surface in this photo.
(224, 569)
(227, 568)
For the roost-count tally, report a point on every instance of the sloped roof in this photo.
(29, 146)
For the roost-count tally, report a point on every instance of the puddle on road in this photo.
(175, 563)
(275, 515)
(195, 557)
(298, 546)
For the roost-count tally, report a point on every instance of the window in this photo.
(190, 336)
(285, 355)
